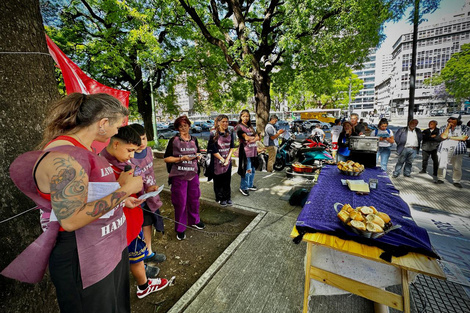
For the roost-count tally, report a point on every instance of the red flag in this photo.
(77, 81)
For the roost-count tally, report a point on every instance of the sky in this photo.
(394, 30)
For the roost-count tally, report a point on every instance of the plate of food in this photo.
(350, 168)
(365, 221)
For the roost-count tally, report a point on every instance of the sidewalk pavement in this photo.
(265, 271)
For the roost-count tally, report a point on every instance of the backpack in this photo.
(377, 131)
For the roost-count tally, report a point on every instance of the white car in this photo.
(309, 125)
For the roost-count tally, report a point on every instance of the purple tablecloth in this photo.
(318, 214)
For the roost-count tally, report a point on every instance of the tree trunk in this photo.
(27, 85)
(144, 105)
(262, 88)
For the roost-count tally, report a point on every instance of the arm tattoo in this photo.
(103, 206)
(68, 188)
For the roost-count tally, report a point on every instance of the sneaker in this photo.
(229, 202)
(407, 175)
(244, 192)
(201, 225)
(422, 172)
(252, 188)
(439, 181)
(223, 203)
(151, 271)
(458, 185)
(155, 284)
(155, 257)
(180, 236)
(395, 176)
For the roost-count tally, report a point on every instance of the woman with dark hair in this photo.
(84, 239)
(181, 156)
(386, 140)
(221, 146)
(248, 160)
(343, 141)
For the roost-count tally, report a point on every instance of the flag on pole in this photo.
(77, 81)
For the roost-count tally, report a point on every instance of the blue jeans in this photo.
(384, 154)
(247, 181)
(406, 158)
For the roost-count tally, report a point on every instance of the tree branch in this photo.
(211, 39)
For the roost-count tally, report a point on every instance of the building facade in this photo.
(363, 103)
(436, 44)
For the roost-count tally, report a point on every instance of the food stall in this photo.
(362, 260)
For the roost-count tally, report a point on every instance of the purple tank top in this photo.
(223, 143)
(185, 170)
(100, 243)
(144, 167)
(249, 147)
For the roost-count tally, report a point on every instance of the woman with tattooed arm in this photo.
(84, 239)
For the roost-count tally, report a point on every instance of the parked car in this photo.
(296, 126)
(162, 125)
(204, 125)
(437, 113)
(309, 125)
(166, 133)
(195, 129)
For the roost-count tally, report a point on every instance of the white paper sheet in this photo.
(151, 194)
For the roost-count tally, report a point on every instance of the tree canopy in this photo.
(456, 74)
(283, 43)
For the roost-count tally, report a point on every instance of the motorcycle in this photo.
(291, 151)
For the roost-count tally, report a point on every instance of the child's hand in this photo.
(152, 188)
(132, 202)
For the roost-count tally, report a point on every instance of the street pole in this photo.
(154, 118)
(411, 105)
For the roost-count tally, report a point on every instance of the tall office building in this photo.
(436, 44)
(363, 103)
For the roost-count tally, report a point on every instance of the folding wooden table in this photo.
(414, 262)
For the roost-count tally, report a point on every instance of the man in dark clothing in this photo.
(431, 141)
(358, 128)
(408, 140)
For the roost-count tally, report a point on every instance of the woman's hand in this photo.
(132, 202)
(127, 180)
(227, 161)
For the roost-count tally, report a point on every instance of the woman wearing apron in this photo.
(84, 240)
(248, 153)
(181, 156)
(220, 147)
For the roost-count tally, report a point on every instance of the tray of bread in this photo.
(350, 168)
(365, 221)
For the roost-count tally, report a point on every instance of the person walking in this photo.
(452, 149)
(431, 140)
(408, 141)
(86, 248)
(247, 154)
(221, 146)
(181, 156)
(271, 141)
(386, 140)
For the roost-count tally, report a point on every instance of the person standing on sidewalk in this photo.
(271, 141)
(335, 131)
(408, 141)
(431, 141)
(248, 154)
(181, 156)
(452, 149)
(357, 128)
(385, 142)
(221, 146)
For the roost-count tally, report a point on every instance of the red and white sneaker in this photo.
(155, 284)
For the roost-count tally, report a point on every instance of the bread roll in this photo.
(347, 208)
(358, 225)
(373, 209)
(366, 210)
(384, 216)
(377, 220)
(344, 216)
(372, 227)
(357, 216)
